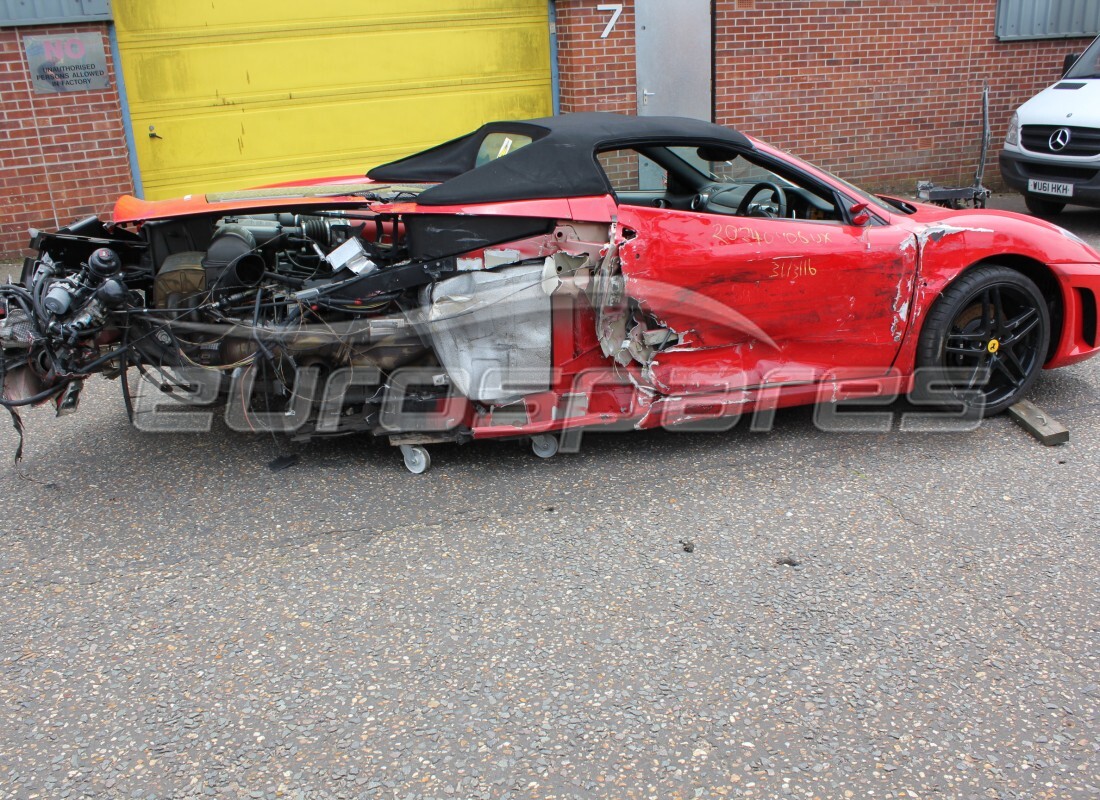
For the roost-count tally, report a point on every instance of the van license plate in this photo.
(1048, 187)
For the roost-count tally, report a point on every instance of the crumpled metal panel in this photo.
(491, 330)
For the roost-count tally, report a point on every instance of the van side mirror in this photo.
(1069, 61)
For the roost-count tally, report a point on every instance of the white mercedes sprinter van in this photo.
(1052, 149)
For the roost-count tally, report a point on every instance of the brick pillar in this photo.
(596, 74)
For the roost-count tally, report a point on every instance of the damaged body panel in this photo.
(491, 331)
(537, 277)
(838, 284)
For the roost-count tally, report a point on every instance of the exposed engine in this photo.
(270, 306)
(272, 278)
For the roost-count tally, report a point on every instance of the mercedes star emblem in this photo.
(1059, 139)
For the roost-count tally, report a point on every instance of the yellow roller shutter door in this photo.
(242, 92)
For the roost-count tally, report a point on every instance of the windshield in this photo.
(1088, 65)
(739, 169)
(860, 194)
(731, 169)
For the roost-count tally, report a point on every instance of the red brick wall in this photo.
(596, 74)
(62, 156)
(885, 94)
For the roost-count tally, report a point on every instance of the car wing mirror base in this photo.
(860, 215)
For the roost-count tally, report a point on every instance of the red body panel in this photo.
(952, 241)
(304, 193)
(761, 294)
(131, 209)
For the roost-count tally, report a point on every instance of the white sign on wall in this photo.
(67, 62)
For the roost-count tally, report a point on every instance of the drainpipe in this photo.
(555, 78)
(714, 61)
(124, 103)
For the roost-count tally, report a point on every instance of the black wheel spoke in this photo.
(996, 323)
(980, 374)
(987, 313)
(1000, 366)
(1020, 326)
(966, 337)
(1016, 363)
(964, 344)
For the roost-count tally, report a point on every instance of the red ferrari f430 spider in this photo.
(539, 277)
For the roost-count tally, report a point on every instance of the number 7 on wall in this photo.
(616, 10)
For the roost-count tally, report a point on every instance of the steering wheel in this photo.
(755, 189)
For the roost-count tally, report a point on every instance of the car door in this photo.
(754, 300)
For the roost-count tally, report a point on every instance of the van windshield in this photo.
(1088, 65)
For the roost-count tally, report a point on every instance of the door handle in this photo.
(646, 95)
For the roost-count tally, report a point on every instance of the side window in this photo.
(743, 186)
(624, 171)
(739, 171)
(498, 145)
(715, 180)
(639, 180)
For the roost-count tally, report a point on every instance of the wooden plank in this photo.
(1039, 424)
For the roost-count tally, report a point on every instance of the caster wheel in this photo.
(417, 460)
(545, 445)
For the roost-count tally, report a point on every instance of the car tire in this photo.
(1043, 208)
(984, 342)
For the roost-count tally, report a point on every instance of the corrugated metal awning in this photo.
(53, 12)
(1047, 19)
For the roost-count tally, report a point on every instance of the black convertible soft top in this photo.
(560, 161)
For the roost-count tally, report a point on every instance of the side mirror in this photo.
(1069, 61)
(860, 215)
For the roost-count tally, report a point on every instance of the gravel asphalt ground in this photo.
(862, 616)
